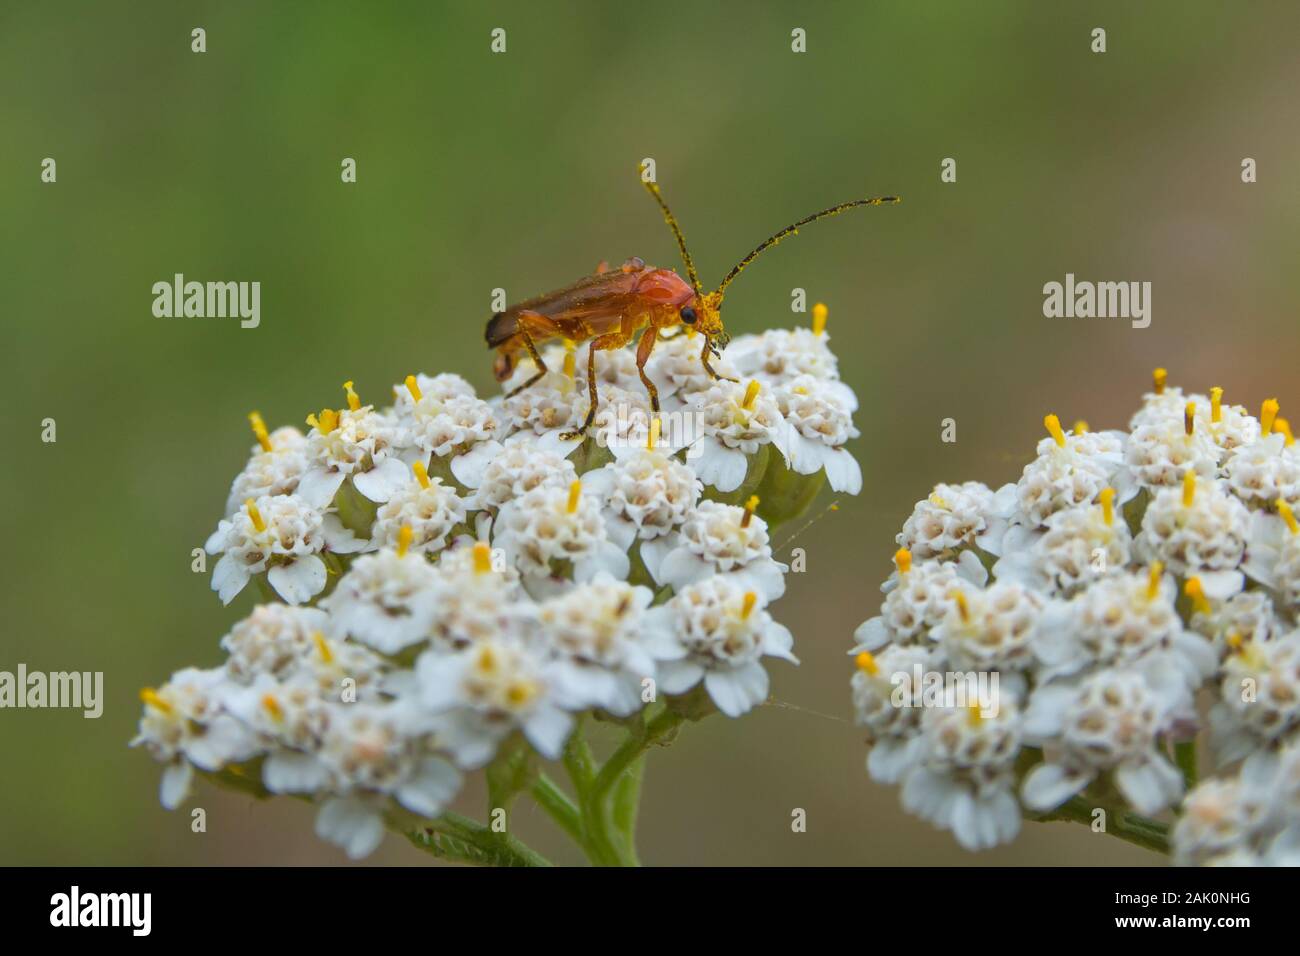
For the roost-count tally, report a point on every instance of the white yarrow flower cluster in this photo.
(1133, 595)
(450, 579)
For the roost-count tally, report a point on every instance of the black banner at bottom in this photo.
(305, 905)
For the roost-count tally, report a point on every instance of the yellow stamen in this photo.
(254, 515)
(1158, 379)
(487, 661)
(259, 430)
(326, 422)
(903, 560)
(151, 697)
(819, 318)
(1196, 592)
(1284, 427)
(421, 474)
(747, 608)
(1189, 487)
(1288, 515)
(482, 557)
(1107, 497)
(973, 713)
(575, 495)
(866, 662)
(1080, 427)
(404, 537)
(413, 386)
(750, 507)
(1235, 641)
(1267, 412)
(652, 438)
(322, 645)
(937, 500)
(570, 358)
(354, 400)
(521, 692)
(273, 708)
(1154, 577)
(1189, 418)
(1053, 426)
(1216, 404)
(963, 609)
(751, 393)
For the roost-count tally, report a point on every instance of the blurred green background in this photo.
(518, 170)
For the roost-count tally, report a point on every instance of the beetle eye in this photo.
(688, 315)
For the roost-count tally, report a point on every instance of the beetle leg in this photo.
(643, 349)
(610, 340)
(704, 357)
(538, 323)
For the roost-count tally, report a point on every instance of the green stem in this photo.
(627, 803)
(1185, 757)
(559, 807)
(458, 838)
(1124, 824)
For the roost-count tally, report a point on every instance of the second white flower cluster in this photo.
(1123, 579)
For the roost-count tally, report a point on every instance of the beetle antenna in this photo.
(653, 188)
(794, 228)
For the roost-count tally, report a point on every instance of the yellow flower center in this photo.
(1267, 412)
(867, 663)
(326, 655)
(1196, 593)
(326, 422)
(1154, 577)
(1107, 497)
(1288, 515)
(1053, 426)
(151, 697)
(259, 430)
(254, 515)
(819, 319)
(482, 557)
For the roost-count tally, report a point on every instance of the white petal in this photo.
(229, 577)
(547, 728)
(468, 468)
(428, 791)
(683, 567)
(871, 635)
(843, 472)
(737, 690)
(318, 486)
(352, 824)
(678, 676)
(340, 539)
(287, 771)
(723, 468)
(655, 550)
(381, 482)
(1049, 785)
(300, 581)
(1149, 785)
(175, 785)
